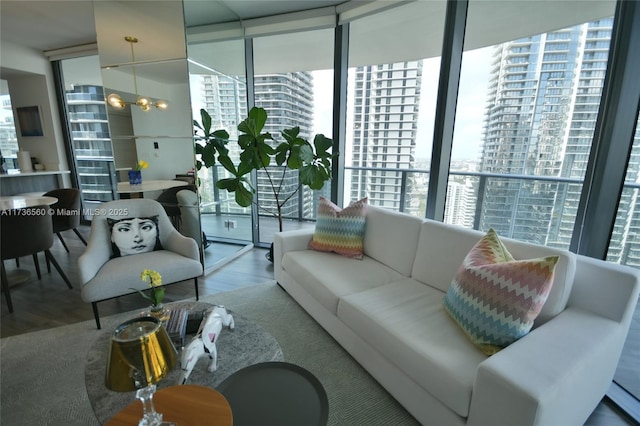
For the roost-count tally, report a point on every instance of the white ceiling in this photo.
(47, 25)
(55, 24)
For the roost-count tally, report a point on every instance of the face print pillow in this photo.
(134, 235)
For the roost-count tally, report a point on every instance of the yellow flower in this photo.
(142, 165)
(156, 294)
(153, 277)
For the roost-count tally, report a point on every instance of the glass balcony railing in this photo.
(537, 209)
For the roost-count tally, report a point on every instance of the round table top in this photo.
(149, 185)
(183, 405)
(276, 393)
(23, 201)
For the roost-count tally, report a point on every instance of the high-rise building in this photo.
(91, 143)
(543, 101)
(385, 115)
(288, 100)
(459, 207)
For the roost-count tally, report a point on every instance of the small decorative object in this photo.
(177, 326)
(135, 176)
(204, 343)
(141, 355)
(155, 296)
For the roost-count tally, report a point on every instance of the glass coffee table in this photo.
(246, 344)
(275, 393)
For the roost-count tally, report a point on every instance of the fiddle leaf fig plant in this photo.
(257, 152)
(208, 143)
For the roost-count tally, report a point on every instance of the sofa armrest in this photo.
(286, 241)
(557, 374)
(185, 246)
(605, 288)
(89, 263)
(291, 241)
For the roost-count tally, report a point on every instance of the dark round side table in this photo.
(275, 393)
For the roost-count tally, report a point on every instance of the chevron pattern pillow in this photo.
(340, 230)
(495, 298)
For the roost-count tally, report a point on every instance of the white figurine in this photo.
(204, 342)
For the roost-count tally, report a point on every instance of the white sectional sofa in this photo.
(386, 311)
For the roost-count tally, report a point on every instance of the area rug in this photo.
(43, 378)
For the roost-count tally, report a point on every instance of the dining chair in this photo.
(106, 275)
(169, 201)
(26, 231)
(189, 204)
(66, 212)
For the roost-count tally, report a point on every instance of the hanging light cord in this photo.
(131, 41)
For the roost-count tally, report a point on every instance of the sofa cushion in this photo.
(328, 276)
(405, 322)
(495, 298)
(442, 248)
(108, 283)
(340, 230)
(392, 238)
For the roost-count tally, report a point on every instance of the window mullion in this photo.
(452, 47)
(613, 137)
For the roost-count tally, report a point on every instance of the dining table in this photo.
(126, 190)
(21, 201)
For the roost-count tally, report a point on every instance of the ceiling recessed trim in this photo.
(72, 52)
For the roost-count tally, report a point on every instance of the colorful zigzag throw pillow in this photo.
(340, 230)
(495, 298)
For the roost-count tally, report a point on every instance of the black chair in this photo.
(26, 232)
(66, 212)
(169, 201)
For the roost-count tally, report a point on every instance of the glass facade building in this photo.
(542, 106)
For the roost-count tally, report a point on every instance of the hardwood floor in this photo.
(48, 303)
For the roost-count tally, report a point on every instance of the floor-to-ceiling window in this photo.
(394, 58)
(92, 150)
(527, 109)
(8, 139)
(218, 85)
(293, 83)
(624, 248)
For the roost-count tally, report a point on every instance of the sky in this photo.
(469, 113)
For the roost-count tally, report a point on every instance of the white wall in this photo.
(30, 82)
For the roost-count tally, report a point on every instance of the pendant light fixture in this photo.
(145, 103)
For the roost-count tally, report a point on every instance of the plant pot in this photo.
(269, 254)
(135, 177)
(160, 312)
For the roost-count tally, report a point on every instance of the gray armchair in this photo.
(105, 277)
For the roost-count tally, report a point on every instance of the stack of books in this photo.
(177, 326)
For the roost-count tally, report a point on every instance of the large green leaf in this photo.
(295, 160)
(254, 123)
(244, 197)
(230, 184)
(228, 164)
(306, 153)
(312, 176)
(322, 143)
(206, 121)
(209, 155)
